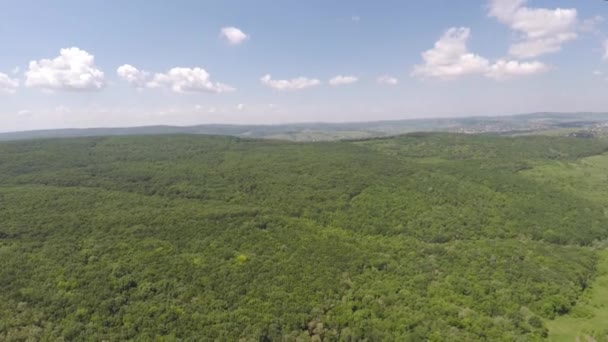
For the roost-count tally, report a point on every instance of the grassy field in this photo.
(586, 178)
(588, 321)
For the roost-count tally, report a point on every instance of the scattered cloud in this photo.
(606, 50)
(504, 10)
(503, 69)
(179, 80)
(137, 78)
(343, 80)
(591, 24)
(450, 59)
(240, 107)
(541, 31)
(73, 69)
(293, 84)
(7, 84)
(189, 80)
(387, 80)
(233, 35)
(597, 73)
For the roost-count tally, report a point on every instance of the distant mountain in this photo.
(533, 122)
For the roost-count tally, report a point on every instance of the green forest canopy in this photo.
(437, 237)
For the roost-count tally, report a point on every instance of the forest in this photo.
(419, 237)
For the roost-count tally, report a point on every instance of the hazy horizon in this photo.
(304, 123)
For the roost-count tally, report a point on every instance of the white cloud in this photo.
(7, 84)
(73, 69)
(597, 73)
(541, 30)
(503, 69)
(188, 80)
(450, 58)
(343, 80)
(240, 107)
(504, 10)
(606, 50)
(387, 80)
(355, 18)
(135, 77)
(293, 84)
(591, 24)
(179, 80)
(16, 70)
(233, 35)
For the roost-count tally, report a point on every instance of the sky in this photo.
(111, 63)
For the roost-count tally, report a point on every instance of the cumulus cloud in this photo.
(7, 84)
(179, 80)
(135, 77)
(387, 80)
(503, 69)
(293, 84)
(343, 80)
(73, 69)
(541, 31)
(233, 35)
(450, 59)
(188, 80)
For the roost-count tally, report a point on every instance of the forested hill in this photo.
(437, 237)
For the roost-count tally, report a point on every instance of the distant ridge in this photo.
(337, 131)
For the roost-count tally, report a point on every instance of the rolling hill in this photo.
(424, 236)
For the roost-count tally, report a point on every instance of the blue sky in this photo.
(276, 60)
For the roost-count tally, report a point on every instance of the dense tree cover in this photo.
(422, 237)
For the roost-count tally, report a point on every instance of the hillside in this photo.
(425, 236)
